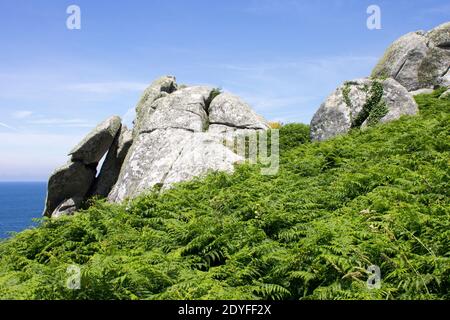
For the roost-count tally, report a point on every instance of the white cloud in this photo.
(21, 114)
(291, 89)
(4, 125)
(107, 87)
(61, 122)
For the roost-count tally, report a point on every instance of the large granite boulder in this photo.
(70, 185)
(110, 170)
(182, 135)
(185, 109)
(159, 88)
(361, 103)
(418, 59)
(165, 156)
(93, 147)
(74, 179)
(229, 110)
(201, 154)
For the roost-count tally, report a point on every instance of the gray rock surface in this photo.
(157, 89)
(165, 156)
(440, 36)
(361, 103)
(180, 132)
(67, 207)
(418, 59)
(177, 139)
(110, 170)
(230, 110)
(94, 146)
(185, 109)
(201, 154)
(73, 180)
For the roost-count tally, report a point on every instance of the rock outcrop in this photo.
(177, 138)
(70, 185)
(230, 111)
(92, 148)
(159, 88)
(361, 103)
(418, 59)
(415, 64)
(74, 179)
(180, 132)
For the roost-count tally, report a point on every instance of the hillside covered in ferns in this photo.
(378, 196)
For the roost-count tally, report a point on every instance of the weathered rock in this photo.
(440, 36)
(177, 140)
(150, 159)
(158, 88)
(180, 132)
(94, 146)
(434, 69)
(67, 207)
(166, 156)
(72, 180)
(201, 154)
(184, 109)
(360, 103)
(229, 110)
(418, 59)
(402, 60)
(110, 170)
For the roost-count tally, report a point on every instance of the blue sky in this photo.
(284, 57)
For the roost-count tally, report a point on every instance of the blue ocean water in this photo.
(20, 202)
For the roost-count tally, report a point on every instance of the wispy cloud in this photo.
(288, 88)
(21, 114)
(60, 122)
(4, 125)
(107, 87)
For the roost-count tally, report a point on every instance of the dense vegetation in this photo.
(378, 196)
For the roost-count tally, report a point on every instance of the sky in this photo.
(283, 57)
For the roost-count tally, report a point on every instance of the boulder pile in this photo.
(416, 63)
(180, 132)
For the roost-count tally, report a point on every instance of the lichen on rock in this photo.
(418, 59)
(361, 103)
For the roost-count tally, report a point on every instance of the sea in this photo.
(20, 203)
